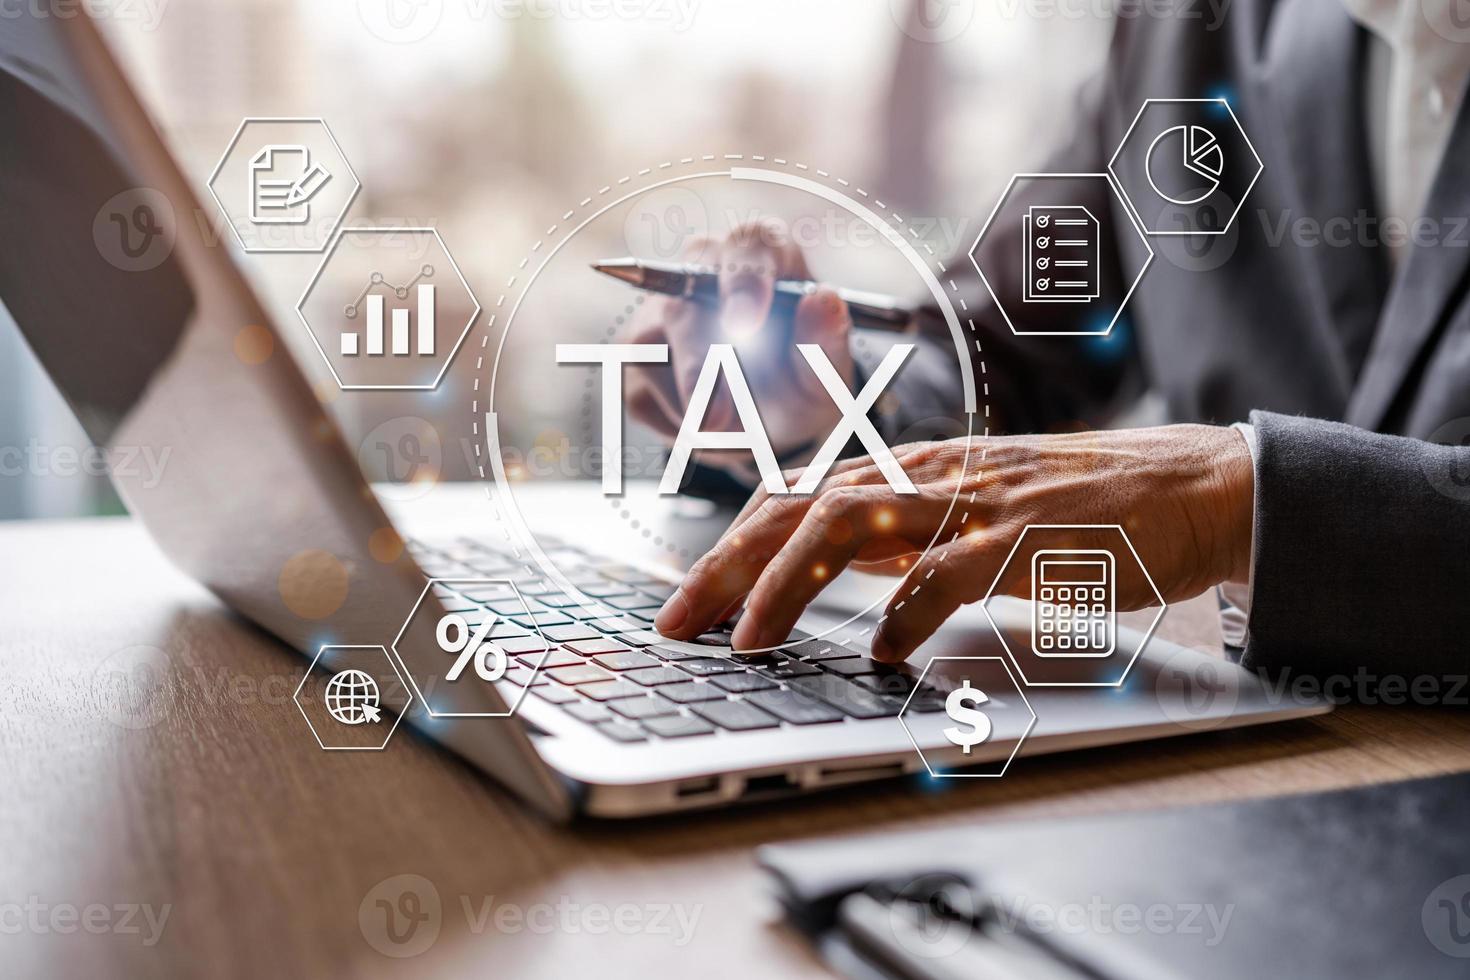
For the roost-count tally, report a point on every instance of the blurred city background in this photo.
(502, 115)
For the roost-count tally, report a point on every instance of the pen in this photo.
(701, 284)
(307, 185)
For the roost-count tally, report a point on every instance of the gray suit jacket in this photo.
(1362, 539)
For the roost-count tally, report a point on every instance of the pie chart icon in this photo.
(1184, 164)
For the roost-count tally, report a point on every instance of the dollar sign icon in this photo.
(960, 706)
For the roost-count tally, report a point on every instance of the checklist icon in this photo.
(1060, 252)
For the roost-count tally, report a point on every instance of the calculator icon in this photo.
(1073, 609)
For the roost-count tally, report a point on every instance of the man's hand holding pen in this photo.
(796, 409)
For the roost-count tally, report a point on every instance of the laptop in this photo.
(148, 353)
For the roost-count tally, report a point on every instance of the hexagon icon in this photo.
(388, 308)
(347, 707)
(1185, 166)
(985, 719)
(1063, 628)
(1061, 254)
(488, 635)
(283, 183)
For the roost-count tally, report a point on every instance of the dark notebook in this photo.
(1371, 883)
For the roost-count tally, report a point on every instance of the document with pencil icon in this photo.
(1061, 249)
(283, 180)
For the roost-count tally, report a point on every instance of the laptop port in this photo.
(703, 786)
(830, 775)
(776, 782)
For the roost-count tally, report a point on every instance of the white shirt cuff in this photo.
(1235, 598)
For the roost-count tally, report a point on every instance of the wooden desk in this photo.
(214, 800)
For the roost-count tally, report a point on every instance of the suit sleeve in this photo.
(1362, 551)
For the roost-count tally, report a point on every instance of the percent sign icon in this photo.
(454, 636)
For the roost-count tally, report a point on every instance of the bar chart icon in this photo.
(405, 334)
(388, 308)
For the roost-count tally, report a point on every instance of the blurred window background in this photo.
(507, 111)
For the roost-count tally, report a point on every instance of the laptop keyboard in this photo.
(607, 667)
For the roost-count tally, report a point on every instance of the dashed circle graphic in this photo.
(665, 174)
